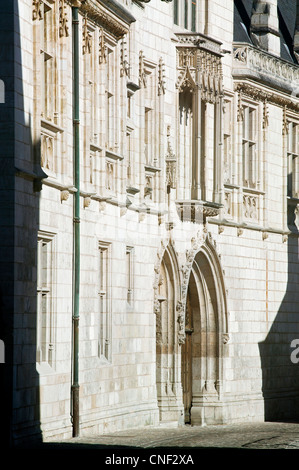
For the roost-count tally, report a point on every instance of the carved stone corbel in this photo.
(64, 195)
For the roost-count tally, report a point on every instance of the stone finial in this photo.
(264, 26)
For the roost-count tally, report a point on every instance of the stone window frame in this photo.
(252, 191)
(293, 155)
(230, 183)
(185, 14)
(291, 122)
(91, 79)
(112, 92)
(228, 140)
(151, 117)
(250, 146)
(46, 288)
(130, 276)
(48, 31)
(104, 302)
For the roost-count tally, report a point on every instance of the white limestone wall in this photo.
(121, 393)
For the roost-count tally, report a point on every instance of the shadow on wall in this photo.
(280, 374)
(20, 174)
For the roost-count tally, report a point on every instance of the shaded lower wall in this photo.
(280, 376)
(19, 216)
(7, 215)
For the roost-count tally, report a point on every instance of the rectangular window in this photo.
(148, 135)
(129, 274)
(249, 146)
(45, 311)
(292, 156)
(104, 342)
(184, 14)
(227, 142)
(111, 115)
(47, 59)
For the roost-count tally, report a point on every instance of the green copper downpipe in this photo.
(76, 274)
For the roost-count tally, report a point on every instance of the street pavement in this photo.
(184, 440)
(239, 436)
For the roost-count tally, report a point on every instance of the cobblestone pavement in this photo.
(267, 436)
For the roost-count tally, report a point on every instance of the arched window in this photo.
(184, 14)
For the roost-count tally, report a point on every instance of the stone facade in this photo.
(166, 209)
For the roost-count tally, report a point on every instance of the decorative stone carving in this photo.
(265, 114)
(47, 152)
(171, 164)
(161, 77)
(157, 311)
(104, 17)
(240, 109)
(161, 219)
(285, 124)
(102, 206)
(186, 268)
(250, 60)
(64, 195)
(141, 216)
(225, 338)
(228, 203)
(102, 48)
(158, 263)
(63, 20)
(258, 94)
(180, 308)
(157, 306)
(240, 54)
(86, 202)
(186, 81)
(37, 13)
(142, 74)
(250, 206)
(109, 176)
(148, 189)
(87, 39)
(123, 211)
(124, 64)
(199, 66)
(195, 211)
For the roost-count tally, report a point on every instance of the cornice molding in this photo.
(251, 90)
(109, 14)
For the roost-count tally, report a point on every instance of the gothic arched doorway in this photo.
(203, 352)
(168, 360)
